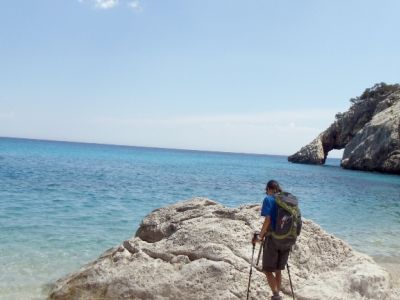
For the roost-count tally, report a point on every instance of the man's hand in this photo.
(256, 238)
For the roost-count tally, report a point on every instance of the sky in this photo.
(255, 76)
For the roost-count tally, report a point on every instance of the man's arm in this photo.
(264, 228)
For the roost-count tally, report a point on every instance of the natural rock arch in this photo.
(369, 132)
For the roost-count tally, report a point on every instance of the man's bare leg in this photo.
(272, 282)
(278, 279)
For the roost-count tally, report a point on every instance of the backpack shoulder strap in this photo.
(293, 210)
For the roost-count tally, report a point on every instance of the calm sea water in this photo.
(63, 204)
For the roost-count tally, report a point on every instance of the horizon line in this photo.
(136, 146)
(147, 147)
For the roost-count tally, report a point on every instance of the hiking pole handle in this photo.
(255, 238)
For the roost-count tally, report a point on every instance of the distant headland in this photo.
(369, 133)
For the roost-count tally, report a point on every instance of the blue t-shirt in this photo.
(269, 209)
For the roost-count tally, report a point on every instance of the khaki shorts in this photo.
(273, 258)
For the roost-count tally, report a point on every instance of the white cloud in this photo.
(272, 117)
(7, 115)
(277, 132)
(135, 5)
(102, 4)
(106, 4)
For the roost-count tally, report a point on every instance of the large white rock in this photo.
(199, 249)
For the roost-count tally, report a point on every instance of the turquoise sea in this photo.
(62, 204)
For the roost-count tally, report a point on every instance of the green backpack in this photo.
(288, 221)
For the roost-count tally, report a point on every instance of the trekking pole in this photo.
(251, 264)
(290, 280)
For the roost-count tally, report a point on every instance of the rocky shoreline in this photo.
(199, 249)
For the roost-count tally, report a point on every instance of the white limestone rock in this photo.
(199, 249)
(313, 153)
(376, 147)
(369, 132)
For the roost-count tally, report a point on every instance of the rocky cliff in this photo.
(369, 132)
(199, 249)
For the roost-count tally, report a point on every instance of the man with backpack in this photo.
(280, 229)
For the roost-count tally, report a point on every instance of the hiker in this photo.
(276, 250)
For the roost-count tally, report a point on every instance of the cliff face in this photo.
(369, 132)
(199, 249)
